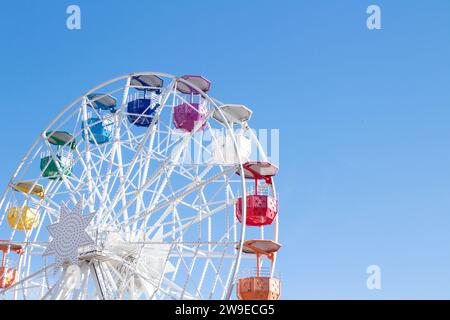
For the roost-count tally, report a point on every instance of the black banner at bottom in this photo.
(184, 310)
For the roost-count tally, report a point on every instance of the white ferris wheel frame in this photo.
(213, 102)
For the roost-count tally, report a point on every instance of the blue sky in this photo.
(363, 116)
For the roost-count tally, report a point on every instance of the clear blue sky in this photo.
(364, 116)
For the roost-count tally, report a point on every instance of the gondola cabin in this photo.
(261, 285)
(58, 163)
(144, 103)
(25, 217)
(98, 130)
(191, 112)
(262, 206)
(7, 274)
(22, 218)
(99, 127)
(224, 151)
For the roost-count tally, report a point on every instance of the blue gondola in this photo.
(141, 110)
(100, 130)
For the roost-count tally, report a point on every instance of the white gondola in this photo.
(223, 148)
(224, 151)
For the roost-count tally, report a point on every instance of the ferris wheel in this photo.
(145, 187)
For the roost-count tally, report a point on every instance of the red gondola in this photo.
(261, 208)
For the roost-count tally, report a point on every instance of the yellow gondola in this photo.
(22, 218)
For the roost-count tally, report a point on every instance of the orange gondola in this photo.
(262, 285)
(8, 275)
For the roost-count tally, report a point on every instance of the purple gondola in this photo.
(193, 109)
